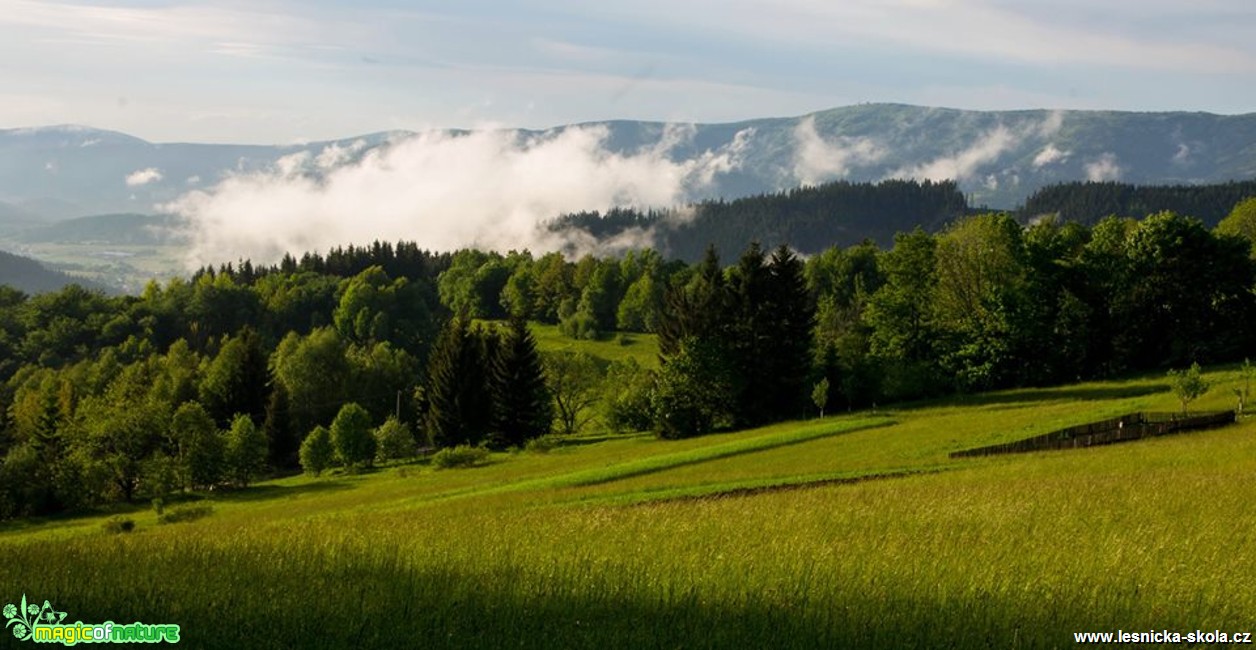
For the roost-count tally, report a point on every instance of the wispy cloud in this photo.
(1103, 168)
(1050, 155)
(817, 159)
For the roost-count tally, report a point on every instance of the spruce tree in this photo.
(281, 444)
(522, 408)
(459, 401)
(790, 336)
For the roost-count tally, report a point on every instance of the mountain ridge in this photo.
(999, 158)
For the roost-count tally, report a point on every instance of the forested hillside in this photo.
(367, 352)
(1089, 202)
(807, 219)
(29, 276)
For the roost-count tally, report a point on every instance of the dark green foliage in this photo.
(236, 380)
(522, 408)
(352, 438)
(808, 219)
(281, 440)
(693, 392)
(1088, 202)
(459, 402)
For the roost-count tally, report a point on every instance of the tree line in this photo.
(368, 353)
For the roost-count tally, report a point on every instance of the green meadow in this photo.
(856, 530)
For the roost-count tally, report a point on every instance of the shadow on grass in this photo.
(1039, 395)
(270, 491)
(667, 462)
(234, 600)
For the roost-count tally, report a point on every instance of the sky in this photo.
(285, 71)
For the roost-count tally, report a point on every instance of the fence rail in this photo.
(1132, 426)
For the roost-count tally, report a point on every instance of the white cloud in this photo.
(193, 180)
(1050, 155)
(1183, 155)
(817, 160)
(964, 164)
(143, 177)
(1103, 168)
(490, 189)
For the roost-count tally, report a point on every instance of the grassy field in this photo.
(643, 348)
(852, 531)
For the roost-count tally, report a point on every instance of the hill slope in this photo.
(855, 531)
(29, 276)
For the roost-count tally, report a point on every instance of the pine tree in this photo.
(522, 408)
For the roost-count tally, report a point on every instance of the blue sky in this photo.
(278, 71)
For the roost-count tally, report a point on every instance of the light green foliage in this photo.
(1241, 222)
(1244, 390)
(626, 397)
(246, 450)
(820, 394)
(317, 452)
(573, 379)
(394, 441)
(201, 448)
(351, 436)
(314, 371)
(1188, 385)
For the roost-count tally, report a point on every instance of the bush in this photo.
(351, 436)
(460, 456)
(394, 441)
(186, 513)
(119, 525)
(543, 444)
(316, 451)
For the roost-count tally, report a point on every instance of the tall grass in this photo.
(1016, 551)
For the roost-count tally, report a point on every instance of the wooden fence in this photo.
(1105, 432)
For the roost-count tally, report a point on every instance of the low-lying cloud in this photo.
(488, 189)
(968, 163)
(817, 160)
(143, 177)
(1103, 168)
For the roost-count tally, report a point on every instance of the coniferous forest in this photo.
(369, 353)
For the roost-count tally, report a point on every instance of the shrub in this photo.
(394, 441)
(460, 456)
(351, 436)
(543, 444)
(118, 525)
(316, 451)
(186, 513)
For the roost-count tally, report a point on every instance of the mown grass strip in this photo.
(662, 462)
(755, 487)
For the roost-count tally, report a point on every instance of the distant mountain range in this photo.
(998, 157)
